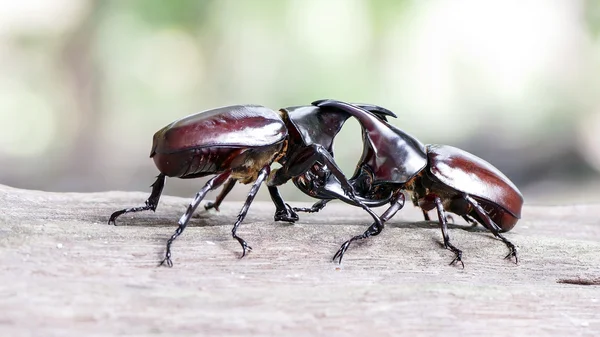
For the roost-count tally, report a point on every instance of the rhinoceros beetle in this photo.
(439, 177)
(239, 143)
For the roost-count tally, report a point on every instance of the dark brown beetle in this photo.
(239, 143)
(437, 177)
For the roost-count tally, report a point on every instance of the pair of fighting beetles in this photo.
(240, 142)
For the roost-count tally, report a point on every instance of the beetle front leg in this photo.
(283, 211)
(262, 175)
(317, 206)
(327, 159)
(219, 199)
(151, 203)
(444, 225)
(491, 225)
(213, 183)
(374, 229)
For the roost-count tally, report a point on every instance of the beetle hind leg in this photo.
(493, 227)
(151, 202)
(444, 226)
(219, 199)
(213, 183)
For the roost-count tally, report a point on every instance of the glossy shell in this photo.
(470, 174)
(231, 126)
(316, 126)
(236, 137)
(320, 125)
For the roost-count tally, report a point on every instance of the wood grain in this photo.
(65, 272)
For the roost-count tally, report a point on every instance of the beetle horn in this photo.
(381, 112)
(368, 119)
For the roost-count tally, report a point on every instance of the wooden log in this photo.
(65, 272)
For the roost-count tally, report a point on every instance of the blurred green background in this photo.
(84, 84)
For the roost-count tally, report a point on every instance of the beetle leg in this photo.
(319, 205)
(375, 228)
(327, 159)
(151, 203)
(426, 215)
(470, 220)
(283, 212)
(219, 199)
(492, 226)
(213, 183)
(444, 226)
(262, 175)
(301, 164)
(396, 205)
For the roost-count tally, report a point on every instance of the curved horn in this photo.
(378, 111)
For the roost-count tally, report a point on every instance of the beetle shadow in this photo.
(201, 220)
(434, 224)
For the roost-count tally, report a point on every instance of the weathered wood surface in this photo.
(65, 272)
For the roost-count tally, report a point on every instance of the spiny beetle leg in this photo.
(319, 205)
(470, 220)
(444, 226)
(262, 175)
(151, 203)
(213, 183)
(283, 211)
(376, 228)
(492, 226)
(513, 251)
(458, 255)
(287, 214)
(373, 230)
(226, 189)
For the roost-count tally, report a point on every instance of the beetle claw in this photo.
(458, 259)
(513, 252)
(113, 217)
(458, 254)
(166, 261)
(245, 247)
(287, 214)
(210, 205)
(340, 253)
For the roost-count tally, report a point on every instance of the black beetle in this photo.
(438, 177)
(239, 143)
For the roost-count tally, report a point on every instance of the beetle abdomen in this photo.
(196, 162)
(470, 174)
(501, 217)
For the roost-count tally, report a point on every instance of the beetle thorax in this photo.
(423, 191)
